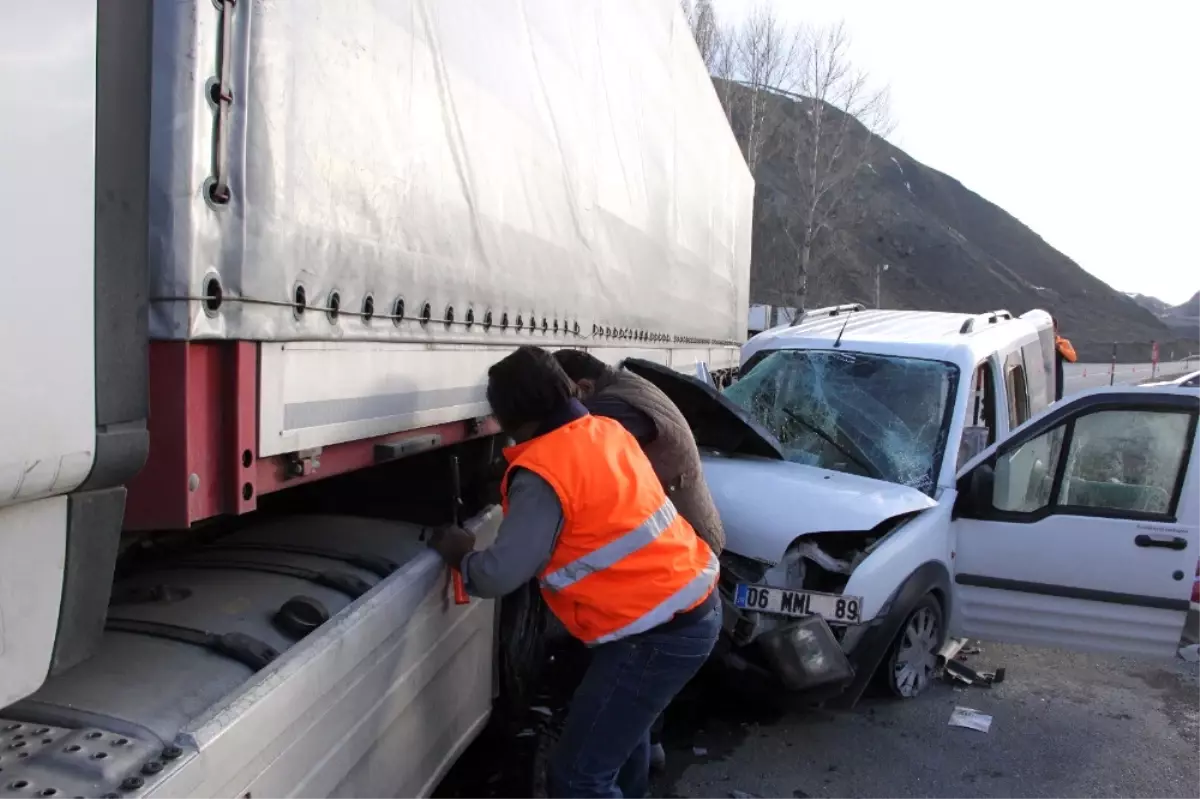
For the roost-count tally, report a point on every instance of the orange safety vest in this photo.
(625, 561)
(1065, 348)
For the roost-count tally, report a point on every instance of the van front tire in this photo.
(911, 663)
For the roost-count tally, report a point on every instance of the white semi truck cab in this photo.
(258, 258)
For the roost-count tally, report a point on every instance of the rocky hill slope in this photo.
(947, 248)
(1184, 317)
(1152, 304)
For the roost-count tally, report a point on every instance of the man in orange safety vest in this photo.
(616, 564)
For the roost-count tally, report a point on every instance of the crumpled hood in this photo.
(766, 504)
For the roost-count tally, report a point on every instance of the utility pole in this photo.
(879, 270)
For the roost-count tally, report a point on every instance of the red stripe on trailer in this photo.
(203, 423)
(204, 439)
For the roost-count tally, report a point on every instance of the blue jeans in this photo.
(604, 749)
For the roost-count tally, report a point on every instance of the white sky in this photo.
(1078, 118)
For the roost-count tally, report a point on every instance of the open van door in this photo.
(1080, 529)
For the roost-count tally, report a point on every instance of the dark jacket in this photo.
(671, 450)
(1063, 351)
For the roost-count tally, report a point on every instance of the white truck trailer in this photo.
(258, 257)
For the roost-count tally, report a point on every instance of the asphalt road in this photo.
(1063, 725)
(1078, 376)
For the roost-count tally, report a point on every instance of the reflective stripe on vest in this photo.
(687, 597)
(637, 538)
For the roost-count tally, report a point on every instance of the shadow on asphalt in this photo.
(708, 721)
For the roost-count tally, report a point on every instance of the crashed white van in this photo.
(887, 478)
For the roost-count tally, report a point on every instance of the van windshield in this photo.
(880, 416)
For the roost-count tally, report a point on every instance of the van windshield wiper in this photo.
(862, 463)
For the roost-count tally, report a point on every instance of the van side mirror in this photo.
(976, 497)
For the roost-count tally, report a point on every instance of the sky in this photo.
(1078, 118)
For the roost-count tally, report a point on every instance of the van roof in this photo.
(962, 339)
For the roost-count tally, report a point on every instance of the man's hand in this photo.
(452, 543)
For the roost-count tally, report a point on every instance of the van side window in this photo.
(1040, 380)
(1024, 477)
(1017, 387)
(1118, 462)
(1126, 461)
(980, 431)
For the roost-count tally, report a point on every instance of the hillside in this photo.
(1152, 304)
(1191, 308)
(947, 248)
(1184, 317)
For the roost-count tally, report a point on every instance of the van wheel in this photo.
(912, 661)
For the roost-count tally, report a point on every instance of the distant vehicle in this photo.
(889, 478)
(765, 317)
(1186, 381)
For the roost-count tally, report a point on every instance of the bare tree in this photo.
(703, 22)
(832, 131)
(723, 67)
(765, 58)
(795, 102)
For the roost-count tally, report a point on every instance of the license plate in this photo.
(834, 608)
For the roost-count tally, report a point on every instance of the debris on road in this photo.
(699, 751)
(954, 670)
(1190, 653)
(742, 795)
(950, 650)
(957, 672)
(971, 719)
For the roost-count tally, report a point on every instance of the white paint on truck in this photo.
(32, 541)
(47, 213)
(47, 403)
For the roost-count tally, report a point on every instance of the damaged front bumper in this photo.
(804, 654)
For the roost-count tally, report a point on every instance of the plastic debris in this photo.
(545, 711)
(742, 795)
(950, 650)
(957, 672)
(971, 719)
(1190, 653)
(699, 751)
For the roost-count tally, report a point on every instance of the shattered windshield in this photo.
(881, 416)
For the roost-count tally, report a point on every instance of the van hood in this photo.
(766, 504)
(717, 422)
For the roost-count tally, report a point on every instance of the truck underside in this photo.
(294, 651)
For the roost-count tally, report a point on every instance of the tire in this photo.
(912, 661)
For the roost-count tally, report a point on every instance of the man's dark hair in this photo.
(527, 386)
(580, 365)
